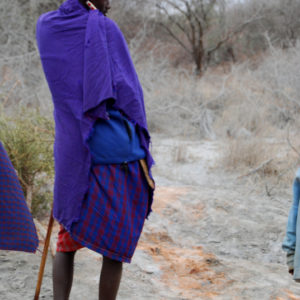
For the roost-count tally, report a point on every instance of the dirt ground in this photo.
(211, 236)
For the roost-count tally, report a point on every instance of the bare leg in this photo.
(110, 279)
(63, 267)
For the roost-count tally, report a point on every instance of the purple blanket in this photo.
(17, 230)
(86, 62)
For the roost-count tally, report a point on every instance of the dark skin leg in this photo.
(63, 268)
(110, 279)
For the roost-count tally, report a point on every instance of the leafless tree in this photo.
(282, 21)
(199, 27)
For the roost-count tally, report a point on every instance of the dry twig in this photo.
(256, 169)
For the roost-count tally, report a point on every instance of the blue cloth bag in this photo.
(115, 141)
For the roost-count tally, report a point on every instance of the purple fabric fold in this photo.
(86, 62)
(17, 230)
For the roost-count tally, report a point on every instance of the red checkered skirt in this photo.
(112, 214)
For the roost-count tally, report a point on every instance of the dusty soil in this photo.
(211, 236)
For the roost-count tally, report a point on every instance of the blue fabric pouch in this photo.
(115, 141)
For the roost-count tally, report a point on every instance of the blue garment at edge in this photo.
(115, 141)
(291, 242)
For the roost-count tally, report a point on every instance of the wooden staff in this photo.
(44, 257)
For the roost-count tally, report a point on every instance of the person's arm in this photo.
(289, 242)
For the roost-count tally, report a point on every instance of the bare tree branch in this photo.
(198, 19)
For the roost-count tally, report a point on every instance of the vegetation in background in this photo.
(247, 98)
(28, 139)
(200, 28)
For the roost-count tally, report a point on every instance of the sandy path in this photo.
(210, 237)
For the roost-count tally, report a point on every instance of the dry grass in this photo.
(244, 153)
(272, 163)
(241, 103)
(254, 156)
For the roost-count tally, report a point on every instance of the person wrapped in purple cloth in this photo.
(17, 230)
(103, 187)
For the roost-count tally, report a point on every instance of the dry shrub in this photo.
(242, 153)
(28, 141)
(263, 101)
(248, 154)
(245, 109)
(271, 162)
(280, 74)
(22, 84)
(178, 102)
(245, 102)
(180, 153)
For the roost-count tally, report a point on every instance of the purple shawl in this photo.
(86, 62)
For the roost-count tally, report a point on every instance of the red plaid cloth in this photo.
(112, 214)
(65, 243)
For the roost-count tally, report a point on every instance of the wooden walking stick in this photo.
(44, 256)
